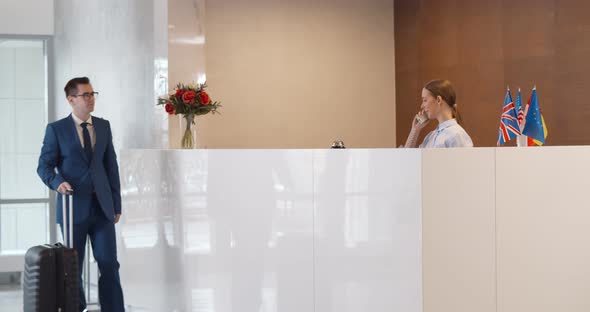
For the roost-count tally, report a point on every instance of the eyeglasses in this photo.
(87, 95)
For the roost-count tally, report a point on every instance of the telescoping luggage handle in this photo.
(69, 233)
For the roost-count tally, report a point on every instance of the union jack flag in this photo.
(509, 128)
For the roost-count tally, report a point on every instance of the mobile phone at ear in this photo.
(421, 118)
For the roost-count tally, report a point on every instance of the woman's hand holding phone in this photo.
(420, 121)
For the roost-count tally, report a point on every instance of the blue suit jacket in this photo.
(62, 159)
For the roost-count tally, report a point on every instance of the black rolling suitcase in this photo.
(51, 275)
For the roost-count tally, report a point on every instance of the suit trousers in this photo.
(104, 247)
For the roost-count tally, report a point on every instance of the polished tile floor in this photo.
(11, 299)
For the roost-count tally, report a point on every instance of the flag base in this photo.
(521, 141)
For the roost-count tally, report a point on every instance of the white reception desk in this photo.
(408, 230)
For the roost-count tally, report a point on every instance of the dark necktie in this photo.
(87, 142)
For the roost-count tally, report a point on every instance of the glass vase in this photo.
(190, 134)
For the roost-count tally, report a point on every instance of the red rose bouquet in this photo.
(189, 101)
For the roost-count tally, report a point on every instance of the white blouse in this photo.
(447, 134)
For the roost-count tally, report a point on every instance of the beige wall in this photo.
(543, 229)
(296, 74)
(458, 230)
(186, 55)
(506, 229)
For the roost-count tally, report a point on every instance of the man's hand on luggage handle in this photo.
(64, 187)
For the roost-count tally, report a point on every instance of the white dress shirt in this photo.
(447, 134)
(90, 128)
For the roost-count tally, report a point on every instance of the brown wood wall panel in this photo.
(483, 46)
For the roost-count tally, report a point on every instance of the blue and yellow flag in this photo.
(534, 127)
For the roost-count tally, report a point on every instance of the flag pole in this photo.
(521, 140)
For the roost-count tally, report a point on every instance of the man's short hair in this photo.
(71, 87)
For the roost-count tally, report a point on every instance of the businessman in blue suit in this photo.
(78, 154)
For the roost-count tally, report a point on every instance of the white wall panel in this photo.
(223, 230)
(26, 17)
(486, 229)
(367, 230)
